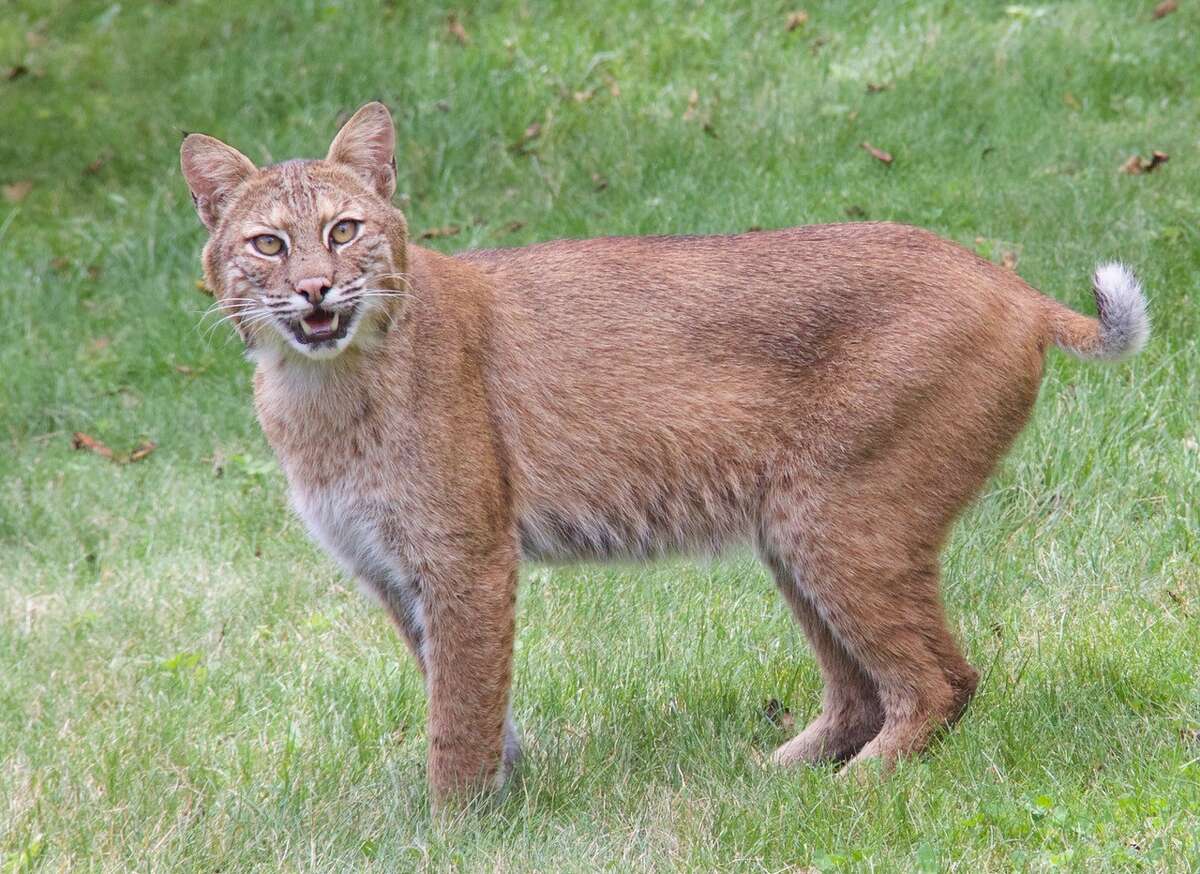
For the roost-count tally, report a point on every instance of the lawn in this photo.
(186, 683)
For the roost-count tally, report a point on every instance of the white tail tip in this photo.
(1121, 306)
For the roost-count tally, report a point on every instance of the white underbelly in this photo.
(352, 530)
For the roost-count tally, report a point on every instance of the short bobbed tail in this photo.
(1122, 326)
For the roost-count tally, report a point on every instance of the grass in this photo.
(186, 683)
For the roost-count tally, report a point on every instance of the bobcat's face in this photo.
(305, 259)
(304, 256)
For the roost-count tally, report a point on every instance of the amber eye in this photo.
(343, 232)
(268, 244)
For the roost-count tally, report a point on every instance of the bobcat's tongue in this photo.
(319, 322)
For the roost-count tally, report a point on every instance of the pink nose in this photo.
(314, 288)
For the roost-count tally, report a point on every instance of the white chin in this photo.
(323, 349)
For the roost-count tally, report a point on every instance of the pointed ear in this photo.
(213, 171)
(366, 144)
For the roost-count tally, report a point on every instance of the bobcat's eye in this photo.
(343, 232)
(267, 244)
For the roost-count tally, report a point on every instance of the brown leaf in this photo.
(204, 289)
(83, 441)
(1137, 165)
(778, 715)
(599, 183)
(855, 211)
(15, 192)
(60, 264)
(435, 233)
(141, 451)
(15, 72)
(1162, 10)
(93, 272)
(878, 154)
(513, 226)
(1134, 166)
(95, 165)
(877, 87)
(1072, 101)
(456, 29)
(99, 344)
(796, 19)
(186, 370)
(530, 134)
(584, 96)
(1181, 601)
(613, 88)
(1009, 259)
(692, 104)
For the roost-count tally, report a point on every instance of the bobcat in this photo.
(833, 395)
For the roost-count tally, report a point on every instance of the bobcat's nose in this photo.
(313, 288)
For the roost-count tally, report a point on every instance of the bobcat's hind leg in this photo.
(851, 712)
(868, 597)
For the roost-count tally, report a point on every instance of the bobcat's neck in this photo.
(410, 392)
(322, 416)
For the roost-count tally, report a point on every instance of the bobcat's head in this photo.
(304, 257)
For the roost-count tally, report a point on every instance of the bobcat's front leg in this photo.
(469, 625)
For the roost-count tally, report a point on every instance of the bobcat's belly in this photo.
(352, 530)
(668, 523)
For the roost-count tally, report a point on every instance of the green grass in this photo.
(186, 683)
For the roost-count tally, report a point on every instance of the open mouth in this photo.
(321, 326)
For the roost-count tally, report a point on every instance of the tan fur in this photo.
(833, 395)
